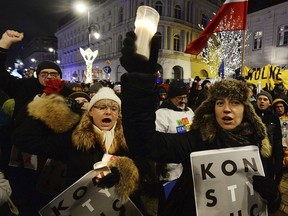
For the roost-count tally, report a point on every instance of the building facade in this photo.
(268, 43)
(177, 27)
(39, 49)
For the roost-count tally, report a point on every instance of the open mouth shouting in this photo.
(227, 119)
(106, 123)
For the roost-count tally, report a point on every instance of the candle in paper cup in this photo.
(146, 24)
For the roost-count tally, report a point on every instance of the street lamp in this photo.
(34, 61)
(92, 27)
(88, 55)
(52, 51)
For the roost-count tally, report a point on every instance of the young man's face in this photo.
(263, 102)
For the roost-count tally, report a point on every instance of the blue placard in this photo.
(107, 69)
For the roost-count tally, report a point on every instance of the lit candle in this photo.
(146, 24)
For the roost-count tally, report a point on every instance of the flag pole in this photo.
(243, 52)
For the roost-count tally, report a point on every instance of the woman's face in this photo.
(84, 101)
(105, 114)
(229, 113)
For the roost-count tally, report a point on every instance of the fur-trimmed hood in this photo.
(204, 119)
(53, 111)
(85, 136)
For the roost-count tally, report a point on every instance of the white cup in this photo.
(146, 24)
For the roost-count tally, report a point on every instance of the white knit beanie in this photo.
(104, 93)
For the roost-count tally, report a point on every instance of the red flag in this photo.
(230, 17)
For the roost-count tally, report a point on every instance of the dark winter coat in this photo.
(22, 90)
(138, 110)
(273, 165)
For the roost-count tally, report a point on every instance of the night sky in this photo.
(33, 17)
(41, 17)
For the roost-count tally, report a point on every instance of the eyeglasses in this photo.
(46, 74)
(182, 98)
(114, 109)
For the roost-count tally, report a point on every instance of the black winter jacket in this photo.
(273, 165)
(22, 90)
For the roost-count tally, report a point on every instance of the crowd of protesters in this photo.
(46, 118)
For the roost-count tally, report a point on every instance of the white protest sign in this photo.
(85, 198)
(223, 182)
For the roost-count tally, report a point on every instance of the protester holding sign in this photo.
(53, 130)
(225, 119)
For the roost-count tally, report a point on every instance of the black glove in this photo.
(266, 187)
(110, 179)
(134, 62)
(74, 105)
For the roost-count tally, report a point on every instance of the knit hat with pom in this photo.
(104, 93)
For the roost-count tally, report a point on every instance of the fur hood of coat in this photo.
(85, 136)
(205, 113)
(53, 111)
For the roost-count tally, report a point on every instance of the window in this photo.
(188, 11)
(158, 34)
(120, 15)
(257, 40)
(177, 12)
(119, 43)
(159, 7)
(176, 43)
(283, 35)
(204, 20)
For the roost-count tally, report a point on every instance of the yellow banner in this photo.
(268, 76)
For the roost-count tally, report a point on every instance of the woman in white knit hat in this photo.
(54, 131)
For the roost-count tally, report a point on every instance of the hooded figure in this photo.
(232, 89)
(280, 108)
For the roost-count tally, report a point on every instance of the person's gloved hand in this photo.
(74, 105)
(54, 86)
(266, 187)
(110, 179)
(134, 62)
